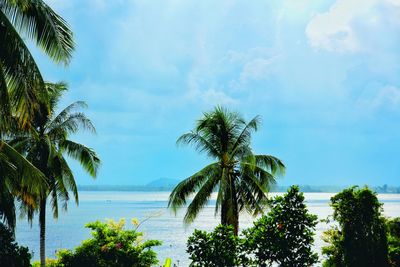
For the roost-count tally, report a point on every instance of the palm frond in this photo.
(41, 24)
(271, 163)
(179, 195)
(87, 157)
(201, 144)
(243, 140)
(20, 71)
(201, 198)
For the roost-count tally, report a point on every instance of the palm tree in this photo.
(241, 177)
(21, 85)
(46, 144)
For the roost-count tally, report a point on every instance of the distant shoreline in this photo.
(304, 188)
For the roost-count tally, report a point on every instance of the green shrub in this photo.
(393, 226)
(111, 245)
(283, 236)
(12, 255)
(218, 248)
(359, 238)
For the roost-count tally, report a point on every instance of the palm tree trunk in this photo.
(42, 223)
(229, 208)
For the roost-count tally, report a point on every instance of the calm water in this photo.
(68, 231)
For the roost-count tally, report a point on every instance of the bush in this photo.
(12, 255)
(393, 226)
(285, 234)
(110, 246)
(360, 238)
(218, 248)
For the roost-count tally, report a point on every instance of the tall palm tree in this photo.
(46, 144)
(241, 177)
(21, 85)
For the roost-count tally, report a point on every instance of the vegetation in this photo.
(21, 87)
(111, 245)
(284, 236)
(241, 177)
(218, 248)
(360, 238)
(21, 83)
(12, 255)
(45, 145)
(393, 226)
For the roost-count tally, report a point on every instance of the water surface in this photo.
(68, 231)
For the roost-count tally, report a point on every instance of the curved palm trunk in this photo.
(229, 208)
(42, 223)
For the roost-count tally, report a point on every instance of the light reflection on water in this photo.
(68, 230)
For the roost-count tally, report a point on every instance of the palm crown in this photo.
(45, 144)
(48, 141)
(241, 177)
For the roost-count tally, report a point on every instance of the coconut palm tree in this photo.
(46, 144)
(21, 85)
(241, 177)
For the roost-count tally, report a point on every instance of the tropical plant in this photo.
(360, 236)
(111, 245)
(285, 235)
(20, 79)
(11, 254)
(16, 173)
(218, 248)
(45, 145)
(241, 177)
(393, 226)
(21, 85)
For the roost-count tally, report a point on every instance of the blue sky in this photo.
(324, 76)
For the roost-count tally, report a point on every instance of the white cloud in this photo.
(256, 69)
(387, 98)
(338, 29)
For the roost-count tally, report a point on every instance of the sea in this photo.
(158, 222)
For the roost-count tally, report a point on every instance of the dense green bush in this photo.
(12, 255)
(111, 245)
(218, 248)
(283, 236)
(360, 236)
(393, 226)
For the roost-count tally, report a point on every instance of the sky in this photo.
(323, 75)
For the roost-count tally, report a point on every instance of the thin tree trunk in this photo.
(42, 223)
(229, 208)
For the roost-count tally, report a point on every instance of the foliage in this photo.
(111, 245)
(45, 144)
(393, 226)
(360, 238)
(284, 235)
(241, 177)
(49, 263)
(21, 83)
(12, 255)
(218, 248)
(21, 87)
